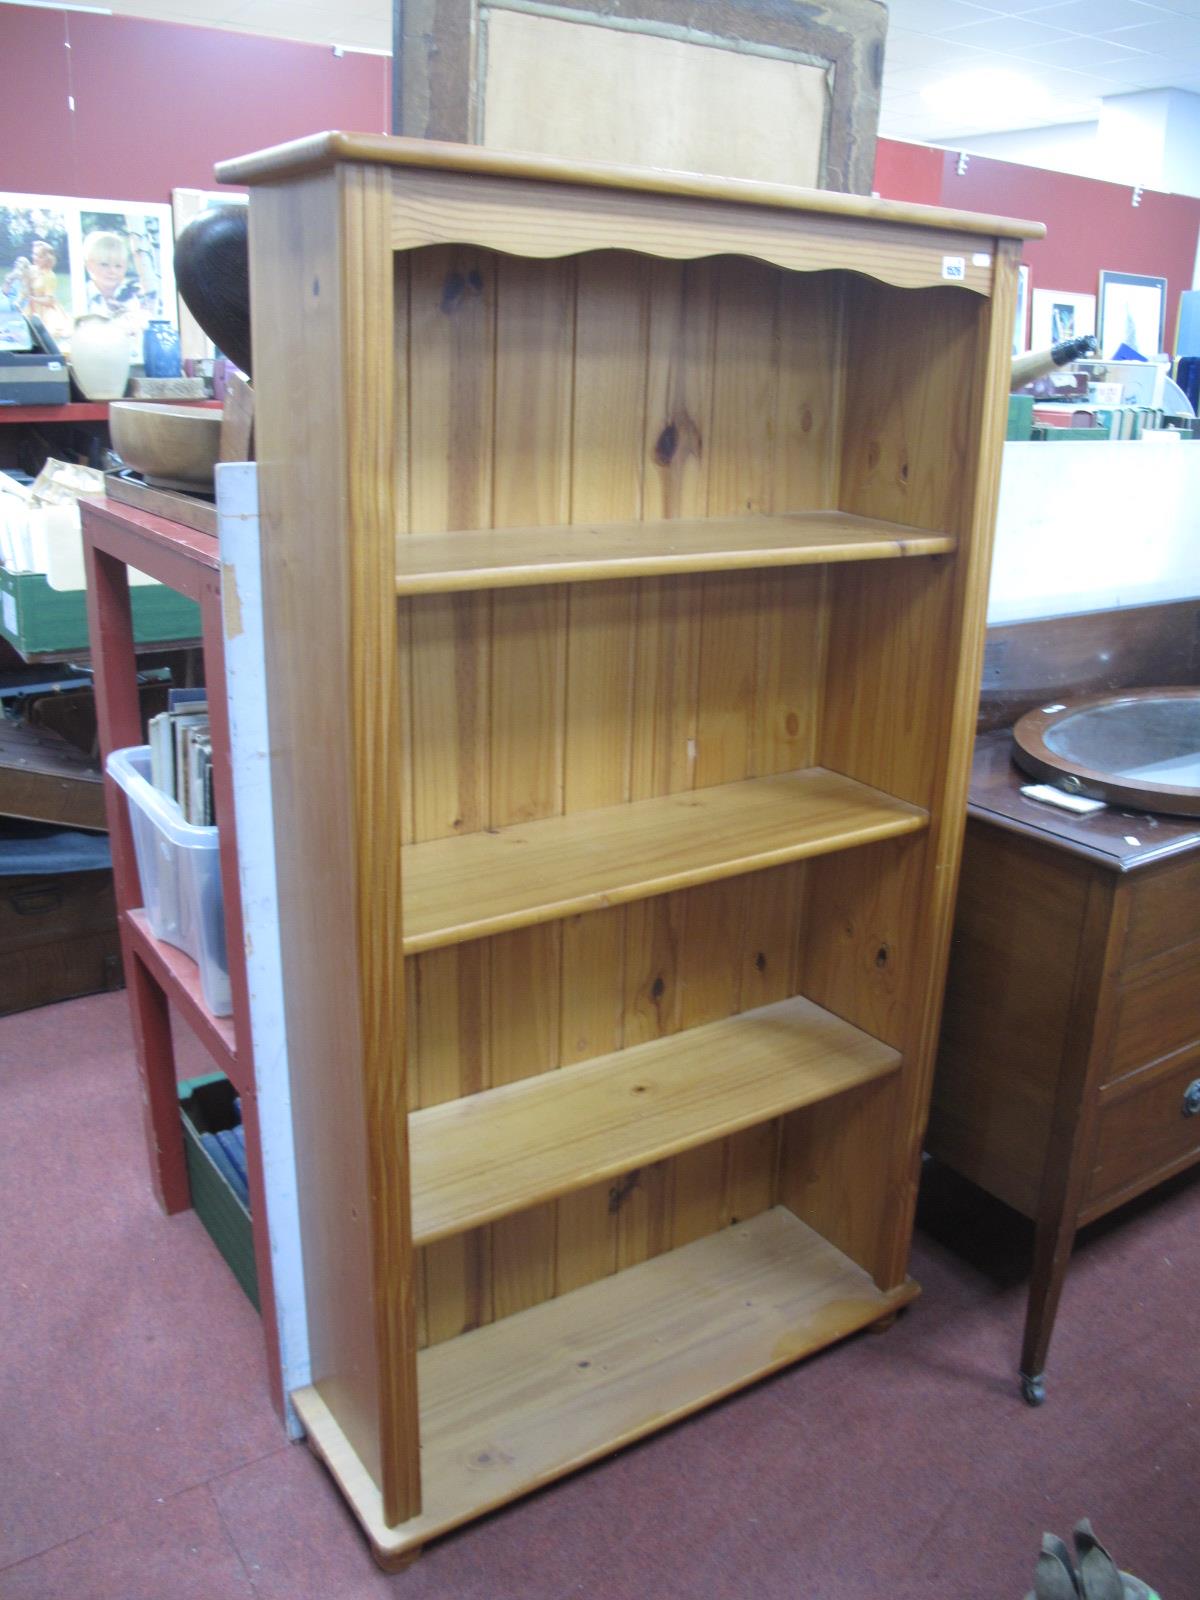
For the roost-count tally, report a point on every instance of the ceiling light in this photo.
(987, 95)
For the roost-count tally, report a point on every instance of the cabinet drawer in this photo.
(51, 907)
(1157, 1011)
(1144, 1132)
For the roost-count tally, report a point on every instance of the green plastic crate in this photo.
(1020, 416)
(38, 620)
(206, 1106)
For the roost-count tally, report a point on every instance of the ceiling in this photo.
(1027, 63)
(1010, 63)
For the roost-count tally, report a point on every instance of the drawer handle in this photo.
(35, 902)
(1191, 1098)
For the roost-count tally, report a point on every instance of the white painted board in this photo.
(1088, 527)
(246, 684)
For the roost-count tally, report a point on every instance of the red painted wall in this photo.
(1090, 226)
(908, 172)
(158, 103)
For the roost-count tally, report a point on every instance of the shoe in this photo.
(1099, 1576)
(1055, 1576)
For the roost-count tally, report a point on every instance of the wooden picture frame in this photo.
(1020, 342)
(1126, 295)
(1060, 314)
(817, 68)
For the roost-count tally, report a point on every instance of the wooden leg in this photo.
(884, 1323)
(160, 1101)
(1051, 1256)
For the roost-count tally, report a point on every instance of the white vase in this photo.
(100, 356)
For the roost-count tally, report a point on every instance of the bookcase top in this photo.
(321, 151)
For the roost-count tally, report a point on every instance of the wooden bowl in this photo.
(173, 447)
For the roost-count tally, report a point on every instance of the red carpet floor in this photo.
(140, 1458)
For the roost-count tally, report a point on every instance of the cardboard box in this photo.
(40, 621)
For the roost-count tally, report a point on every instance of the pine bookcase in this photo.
(626, 541)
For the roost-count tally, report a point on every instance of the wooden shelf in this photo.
(510, 557)
(74, 411)
(512, 1406)
(493, 1153)
(479, 884)
(179, 976)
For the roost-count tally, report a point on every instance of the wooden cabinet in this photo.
(644, 528)
(1068, 1077)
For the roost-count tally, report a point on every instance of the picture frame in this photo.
(497, 73)
(1060, 314)
(1020, 340)
(186, 205)
(62, 258)
(1132, 312)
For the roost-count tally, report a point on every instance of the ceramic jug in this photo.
(100, 356)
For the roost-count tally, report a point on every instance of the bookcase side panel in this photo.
(322, 295)
(922, 432)
(989, 409)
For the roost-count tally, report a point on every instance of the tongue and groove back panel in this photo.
(608, 387)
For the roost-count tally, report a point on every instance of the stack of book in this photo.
(181, 755)
(1066, 419)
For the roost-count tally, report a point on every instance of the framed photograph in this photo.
(1060, 314)
(64, 258)
(36, 245)
(1132, 315)
(124, 264)
(1020, 342)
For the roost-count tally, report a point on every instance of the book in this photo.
(198, 807)
(162, 752)
(185, 723)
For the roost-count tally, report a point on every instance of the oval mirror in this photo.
(1138, 747)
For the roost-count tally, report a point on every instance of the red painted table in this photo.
(116, 537)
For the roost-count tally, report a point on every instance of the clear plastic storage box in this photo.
(180, 871)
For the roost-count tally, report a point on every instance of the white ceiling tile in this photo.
(1078, 52)
(364, 32)
(1075, 86)
(1171, 38)
(1005, 33)
(1097, 16)
(906, 48)
(935, 16)
(280, 18)
(930, 53)
(1144, 72)
(895, 124)
(210, 15)
(1016, 8)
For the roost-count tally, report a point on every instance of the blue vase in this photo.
(160, 350)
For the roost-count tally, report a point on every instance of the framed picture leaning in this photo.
(1133, 312)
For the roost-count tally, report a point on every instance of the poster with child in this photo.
(123, 267)
(35, 261)
(63, 258)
